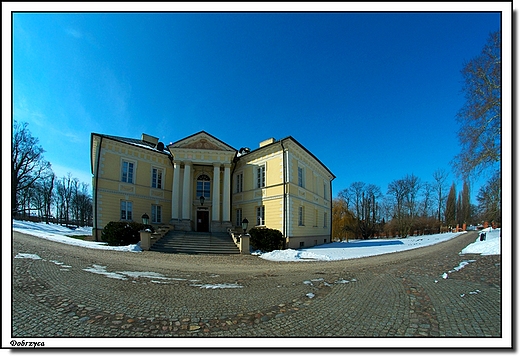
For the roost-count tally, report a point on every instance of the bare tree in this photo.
(406, 205)
(82, 204)
(27, 164)
(398, 190)
(42, 194)
(363, 201)
(490, 199)
(64, 190)
(480, 117)
(439, 184)
(48, 193)
(413, 185)
(427, 194)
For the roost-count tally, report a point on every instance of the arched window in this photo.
(203, 186)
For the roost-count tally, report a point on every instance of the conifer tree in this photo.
(451, 207)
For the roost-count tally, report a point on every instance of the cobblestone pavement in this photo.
(78, 292)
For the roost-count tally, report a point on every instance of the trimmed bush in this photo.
(121, 233)
(266, 240)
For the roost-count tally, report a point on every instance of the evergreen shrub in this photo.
(265, 239)
(122, 233)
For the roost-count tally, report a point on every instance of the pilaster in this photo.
(186, 196)
(216, 193)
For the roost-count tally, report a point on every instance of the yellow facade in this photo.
(279, 185)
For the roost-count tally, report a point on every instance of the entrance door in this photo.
(202, 220)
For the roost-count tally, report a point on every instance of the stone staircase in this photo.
(196, 243)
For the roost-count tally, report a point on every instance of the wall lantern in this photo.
(202, 200)
(244, 225)
(146, 219)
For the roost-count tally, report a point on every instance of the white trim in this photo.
(134, 173)
(163, 175)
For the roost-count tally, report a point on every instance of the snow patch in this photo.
(216, 286)
(97, 269)
(30, 256)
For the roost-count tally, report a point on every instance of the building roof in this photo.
(290, 138)
(205, 133)
(137, 142)
(151, 146)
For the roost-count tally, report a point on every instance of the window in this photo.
(316, 217)
(203, 186)
(126, 210)
(301, 213)
(260, 176)
(260, 215)
(157, 178)
(127, 172)
(324, 219)
(156, 214)
(239, 217)
(301, 182)
(240, 182)
(302, 244)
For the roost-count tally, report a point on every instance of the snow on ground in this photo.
(327, 252)
(490, 246)
(58, 233)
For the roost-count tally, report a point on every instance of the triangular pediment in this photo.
(202, 141)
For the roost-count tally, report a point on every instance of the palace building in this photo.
(200, 183)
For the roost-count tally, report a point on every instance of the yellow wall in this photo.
(111, 190)
(315, 200)
(270, 196)
(313, 197)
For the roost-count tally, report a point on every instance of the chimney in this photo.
(149, 139)
(267, 142)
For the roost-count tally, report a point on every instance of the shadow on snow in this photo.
(360, 243)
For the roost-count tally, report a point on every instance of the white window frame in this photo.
(325, 219)
(157, 183)
(126, 207)
(127, 173)
(260, 215)
(156, 214)
(260, 176)
(239, 217)
(205, 184)
(301, 176)
(240, 182)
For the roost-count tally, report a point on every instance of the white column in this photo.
(186, 192)
(176, 189)
(226, 199)
(215, 201)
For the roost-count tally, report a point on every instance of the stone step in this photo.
(195, 243)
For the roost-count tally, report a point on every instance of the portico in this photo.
(201, 168)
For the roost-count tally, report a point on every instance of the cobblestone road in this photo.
(78, 292)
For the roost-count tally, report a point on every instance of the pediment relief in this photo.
(202, 144)
(203, 141)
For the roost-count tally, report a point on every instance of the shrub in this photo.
(121, 233)
(266, 240)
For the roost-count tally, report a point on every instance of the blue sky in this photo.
(373, 95)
